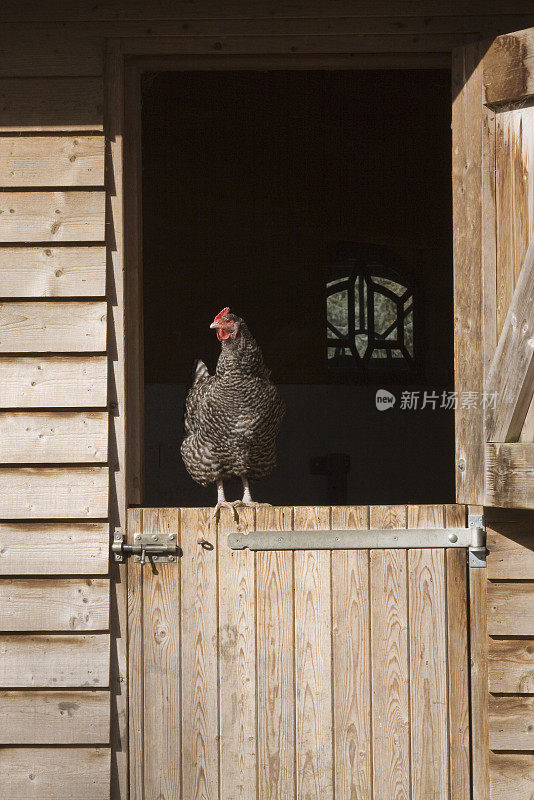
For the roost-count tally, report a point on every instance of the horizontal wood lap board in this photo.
(312, 674)
(54, 479)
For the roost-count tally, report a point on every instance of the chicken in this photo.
(232, 418)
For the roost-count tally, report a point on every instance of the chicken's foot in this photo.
(222, 502)
(247, 501)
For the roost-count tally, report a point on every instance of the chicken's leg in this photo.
(247, 498)
(222, 502)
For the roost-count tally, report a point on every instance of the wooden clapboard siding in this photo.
(67, 216)
(49, 437)
(511, 666)
(54, 661)
(51, 104)
(54, 717)
(55, 50)
(51, 604)
(62, 326)
(510, 475)
(36, 773)
(51, 161)
(53, 381)
(511, 609)
(62, 493)
(55, 548)
(53, 271)
(511, 723)
(511, 776)
(511, 550)
(289, 640)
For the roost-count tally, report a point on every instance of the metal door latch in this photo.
(159, 547)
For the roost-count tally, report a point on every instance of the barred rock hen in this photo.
(232, 418)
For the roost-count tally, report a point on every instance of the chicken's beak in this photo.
(215, 325)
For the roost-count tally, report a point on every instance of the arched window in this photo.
(369, 312)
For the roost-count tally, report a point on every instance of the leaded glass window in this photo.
(369, 313)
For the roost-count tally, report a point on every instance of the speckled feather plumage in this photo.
(232, 418)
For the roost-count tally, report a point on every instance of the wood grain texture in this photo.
(511, 666)
(428, 662)
(161, 665)
(510, 549)
(68, 216)
(51, 161)
(48, 661)
(40, 548)
(351, 677)
(135, 663)
(63, 326)
(509, 68)
(458, 663)
(275, 662)
(57, 493)
(54, 717)
(51, 604)
(53, 437)
(53, 271)
(115, 10)
(510, 475)
(511, 776)
(478, 633)
(467, 159)
(313, 655)
(36, 773)
(389, 648)
(511, 723)
(511, 373)
(33, 51)
(199, 621)
(511, 609)
(51, 104)
(53, 381)
(237, 662)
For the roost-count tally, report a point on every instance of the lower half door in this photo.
(306, 675)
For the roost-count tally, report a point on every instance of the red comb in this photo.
(221, 314)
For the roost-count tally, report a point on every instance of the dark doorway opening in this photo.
(258, 188)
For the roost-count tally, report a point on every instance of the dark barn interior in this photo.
(262, 188)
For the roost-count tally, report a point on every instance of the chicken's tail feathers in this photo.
(200, 371)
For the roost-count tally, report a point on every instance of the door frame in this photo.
(125, 60)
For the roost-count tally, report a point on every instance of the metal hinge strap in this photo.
(473, 538)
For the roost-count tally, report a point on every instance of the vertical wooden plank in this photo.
(237, 662)
(467, 125)
(389, 667)
(199, 615)
(351, 677)
(162, 667)
(427, 633)
(478, 632)
(314, 756)
(135, 661)
(113, 107)
(275, 662)
(458, 662)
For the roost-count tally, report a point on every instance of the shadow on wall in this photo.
(320, 420)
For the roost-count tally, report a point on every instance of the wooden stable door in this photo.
(306, 675)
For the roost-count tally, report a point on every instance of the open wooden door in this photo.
(493, 183)
(305, 675)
